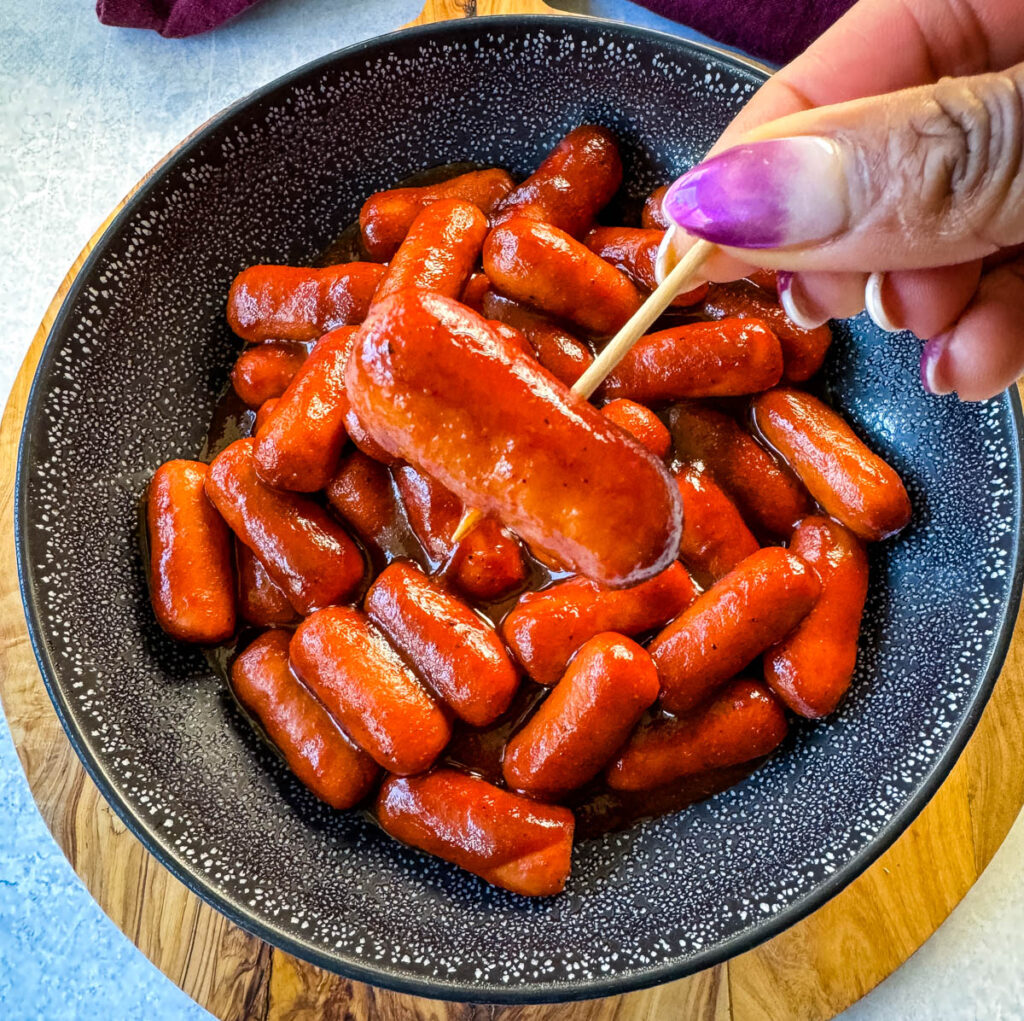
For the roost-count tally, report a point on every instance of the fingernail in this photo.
(874, 302)
(785, 191)
(794, 302)
(930, 372)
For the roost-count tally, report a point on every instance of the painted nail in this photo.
(794, 304)
(772, 194)
(930, 355)
(874, 303)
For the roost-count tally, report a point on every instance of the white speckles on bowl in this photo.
(129, 378)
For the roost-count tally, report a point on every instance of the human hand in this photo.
(911, 201)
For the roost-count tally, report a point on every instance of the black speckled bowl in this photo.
(130, 375)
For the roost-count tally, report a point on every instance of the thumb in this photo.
(929, 176)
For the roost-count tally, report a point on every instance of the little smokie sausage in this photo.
(362, 493)
(263, 415)
(436, 386)
(574, 183)
(812, 668)
(544, 267)
(362, 440)
(439, 252)
(300, 302)
(653, 216)
(853, 484)
(300, 444)
(768, 496)
(585, 719)
(350, 666)
(261, 601)
(509, 840)
(316, 751)
(264, 371)
(562, 354)
(642, 423)
(486, 564)
(724, 359)
(473, 294)
(754, 606)
(302, 547)
(386, 216)
(191, 574)
(449, 646)
(803, 351)
(634, 251)
(715, 536)
(515, 337)
(546, 628)
(743, 722)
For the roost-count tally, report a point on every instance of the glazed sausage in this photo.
(766, 279)
(811, 670)
(557, 350)
(362, 440)
(261, 601)
(653, 216)
(508, 840)
(641, 423)
(743, 722)
(515, 337)
(263, 415)
(724, 359)
(449, 646)
(487, 564)
(300, 302)
(768, 496)
(362, 493)
(545, 628)
(436, 386)
(316, 751)
(349, 665)
(473, 294)
(803, 351)
(300, 444)
(715, 537)
(574, 183)
(634, 251)
(754, 606)
(585, 719)
(544, 267)
(264, 371)
(853, 484)
(191, 575)
(302, 547)
(386, 216)
(439, 252)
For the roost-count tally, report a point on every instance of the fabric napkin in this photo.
(776, 30)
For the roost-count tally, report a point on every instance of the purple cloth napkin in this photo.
(171, 18)
(776, 30)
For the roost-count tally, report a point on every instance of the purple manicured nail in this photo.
(930, 355)
(773, 194)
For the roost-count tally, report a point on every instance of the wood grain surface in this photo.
(808, 973)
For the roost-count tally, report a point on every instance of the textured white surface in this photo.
(85, 111)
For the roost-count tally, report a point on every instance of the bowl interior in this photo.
(130, 376)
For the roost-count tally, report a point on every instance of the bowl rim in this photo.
(347, 966)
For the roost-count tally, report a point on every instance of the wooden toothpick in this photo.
(675, 282)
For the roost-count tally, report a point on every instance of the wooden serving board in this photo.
(811, 972)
